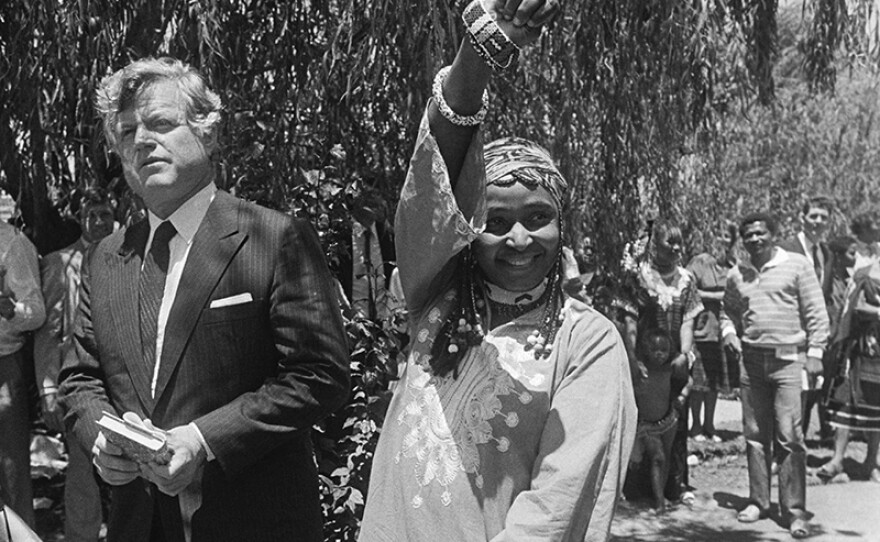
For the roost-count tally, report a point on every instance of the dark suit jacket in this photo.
(793, 244)
(254, 377)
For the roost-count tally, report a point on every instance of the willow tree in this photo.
(616, 89)
(323, 100)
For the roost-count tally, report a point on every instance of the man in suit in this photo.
(214, 318)
(810, 242)
(815, 221)
(60, 272)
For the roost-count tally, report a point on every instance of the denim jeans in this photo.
(771, 398)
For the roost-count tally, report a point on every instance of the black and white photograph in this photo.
(439, 271)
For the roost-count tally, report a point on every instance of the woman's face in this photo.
(723, 243)
(667, 250)
(521, 240)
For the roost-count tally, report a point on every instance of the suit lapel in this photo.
(214, 245)
(123, 275)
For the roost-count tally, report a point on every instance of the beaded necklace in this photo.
(464, 327)
(510, 305)
(656, 283)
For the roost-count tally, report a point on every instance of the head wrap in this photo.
(514, 159)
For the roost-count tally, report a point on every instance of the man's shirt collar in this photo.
(779, 256)
(188, 217)
(805, 242)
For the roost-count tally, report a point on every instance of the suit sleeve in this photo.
(312, 379)
(48, 339)
(813, 312)
(82, 392)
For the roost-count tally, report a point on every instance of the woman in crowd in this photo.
(854, 401)
(864, 226)
(667, 298)
(712, 371)
(514, 417)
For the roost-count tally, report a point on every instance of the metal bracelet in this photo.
(447, 112)
(490, 42)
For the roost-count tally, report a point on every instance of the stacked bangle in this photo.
(490, 42)
(447, 112)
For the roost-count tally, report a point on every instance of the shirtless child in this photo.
(660, 395)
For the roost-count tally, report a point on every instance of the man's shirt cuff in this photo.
(815, 352)
(202, 441)
(727, 328)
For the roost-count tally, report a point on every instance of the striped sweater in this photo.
(779, 305)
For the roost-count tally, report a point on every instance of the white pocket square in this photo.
(231, 300)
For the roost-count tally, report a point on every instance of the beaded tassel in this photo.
(463, 328)
(541, 340)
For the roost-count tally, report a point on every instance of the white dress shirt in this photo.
(808, 251)
(186, 220)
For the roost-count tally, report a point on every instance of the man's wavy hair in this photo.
(119, 91)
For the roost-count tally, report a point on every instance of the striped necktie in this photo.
(151, 289)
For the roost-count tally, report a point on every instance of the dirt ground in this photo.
(845, 510)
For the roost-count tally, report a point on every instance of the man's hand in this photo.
(814, 366)
(51, 410)
(7, 305)
(732, 344)
(113, 467)
(188, 456)
(522, 20)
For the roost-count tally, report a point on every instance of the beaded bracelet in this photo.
(490, 42)
(447, 112)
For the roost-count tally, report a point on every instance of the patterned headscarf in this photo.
(514, 159)
(508, 160)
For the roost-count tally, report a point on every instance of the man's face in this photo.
(164, 160)
(815, 223)
(758, 240)
(521, 239)
(97, 222)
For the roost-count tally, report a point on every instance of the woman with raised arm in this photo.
(514, 417)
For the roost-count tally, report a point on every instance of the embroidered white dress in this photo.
(514, 448)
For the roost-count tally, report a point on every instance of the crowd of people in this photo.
(217, 323)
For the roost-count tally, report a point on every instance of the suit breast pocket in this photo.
(232, 313)
(237, 338)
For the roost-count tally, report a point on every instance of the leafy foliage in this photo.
(348, 439)
(640, 103)
(805, 145)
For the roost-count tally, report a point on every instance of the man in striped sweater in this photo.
(774, 317)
